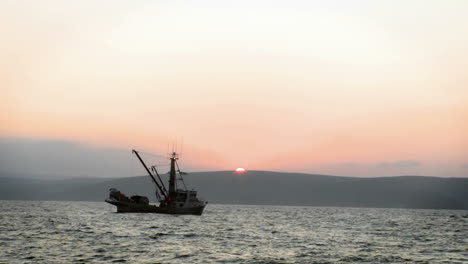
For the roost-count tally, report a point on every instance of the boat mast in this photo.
(172, 175)
(150, 174)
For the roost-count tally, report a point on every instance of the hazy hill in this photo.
(262, 187)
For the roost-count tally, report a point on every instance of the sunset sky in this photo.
(352, 88)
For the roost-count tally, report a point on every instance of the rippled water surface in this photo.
(86, 232)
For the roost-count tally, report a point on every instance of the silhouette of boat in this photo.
(171, 201)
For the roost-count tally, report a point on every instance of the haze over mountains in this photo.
(260, 187)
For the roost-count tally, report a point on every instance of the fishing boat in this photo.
(172, 200)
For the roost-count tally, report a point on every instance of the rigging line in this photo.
(150, 154)
(162, 164)
(153, 168)
(180, 175)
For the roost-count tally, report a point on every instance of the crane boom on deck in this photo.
(161, 189)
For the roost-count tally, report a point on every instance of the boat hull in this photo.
(125, 207)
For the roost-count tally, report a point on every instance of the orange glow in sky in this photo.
(361, 88)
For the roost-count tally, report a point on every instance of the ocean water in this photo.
(91, 232)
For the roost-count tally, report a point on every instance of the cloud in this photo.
(400, 164)
(62, 159)
(387, 168)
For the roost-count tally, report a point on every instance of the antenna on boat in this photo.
(181, 147)
(174, 144)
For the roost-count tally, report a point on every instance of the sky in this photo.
(342, 87)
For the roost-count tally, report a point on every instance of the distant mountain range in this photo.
(262, 188)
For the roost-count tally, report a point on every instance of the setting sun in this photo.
(240, 170)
